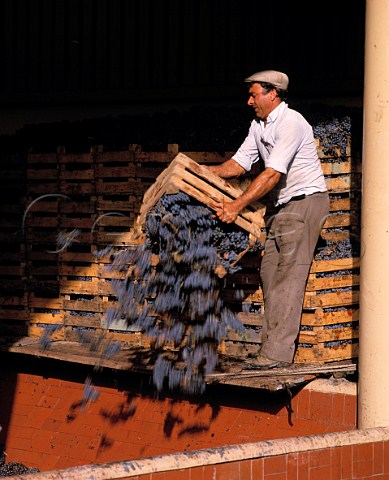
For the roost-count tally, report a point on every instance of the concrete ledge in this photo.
(233, 453)
(333, 385)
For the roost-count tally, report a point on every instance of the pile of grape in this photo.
(177, 302)
(12, 468)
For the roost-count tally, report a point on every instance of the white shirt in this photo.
(287, 145)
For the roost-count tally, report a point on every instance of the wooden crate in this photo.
(76, 173)
(324, 336)
(330, 319)
(183, 174)
(13, 308)
(42, 174)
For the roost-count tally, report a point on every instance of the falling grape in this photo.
(177, 302)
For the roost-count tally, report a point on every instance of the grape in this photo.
(183, 289)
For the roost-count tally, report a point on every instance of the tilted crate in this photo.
(185, 175)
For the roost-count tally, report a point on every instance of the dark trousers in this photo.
(292, 237)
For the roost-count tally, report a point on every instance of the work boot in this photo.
(260, 362)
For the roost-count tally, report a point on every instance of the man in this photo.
(292, 176)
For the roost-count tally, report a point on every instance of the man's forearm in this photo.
(260, 186)
(228, 169)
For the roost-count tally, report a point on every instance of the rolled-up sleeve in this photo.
(247, 154)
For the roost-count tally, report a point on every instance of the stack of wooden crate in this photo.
(330, 320)
(73, 205)
(13, 294)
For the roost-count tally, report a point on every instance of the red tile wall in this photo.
(365, 461)
(47, 423)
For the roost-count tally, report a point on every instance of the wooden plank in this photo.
(335, 264)
(42, 271)
(344, 183)
(91, 321)
(117, 219)
(163, 157)
(21, 314)
(79, 287)
(312, 300)
(324, 335)
(130, 339)
(77, 175)
(77, 222)
(110, 157)
(46, 318)
(80, 257)
(256, 210)
(315, 354)
(120, 239)
(80, 207)
(117, 205)
(42, 174)
(338, 167)
(11, 270)
(44, 221)
(115, 172)
(323, 354)
(105, 273)
(326, 283)
(312, 318)
(315, 337)
(91, 270)
(209, 157)
(341, 298)
(43, 188)
(92, 304)
(13, 300)
(44, 206)
(42, 158)
(186, 175)
(122, 187)
(336, 220)
(45, 302)
(345, 204)
(323, 317)
(243, 222)
(37, 331)
(148, 172)
(76, 188)
(339, 235)
(74, 158)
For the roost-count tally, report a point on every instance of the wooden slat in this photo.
(186, 175)
(335, 264)
(37, 331)
(46, 318)
(90, 321)
(344, 183)
(14, 314)
(326, 283)
(322, 354)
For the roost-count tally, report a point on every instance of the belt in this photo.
(297, 197)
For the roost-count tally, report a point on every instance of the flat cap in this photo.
(278, 79)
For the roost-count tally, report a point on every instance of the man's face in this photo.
(261, 101)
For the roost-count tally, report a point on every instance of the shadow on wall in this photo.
(51, 420)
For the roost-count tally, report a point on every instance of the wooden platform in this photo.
(230, 370)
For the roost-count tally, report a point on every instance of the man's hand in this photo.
(226, 211)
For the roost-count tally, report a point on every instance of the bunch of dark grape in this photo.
(12, 468)
(333, 133)
(177, 302)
